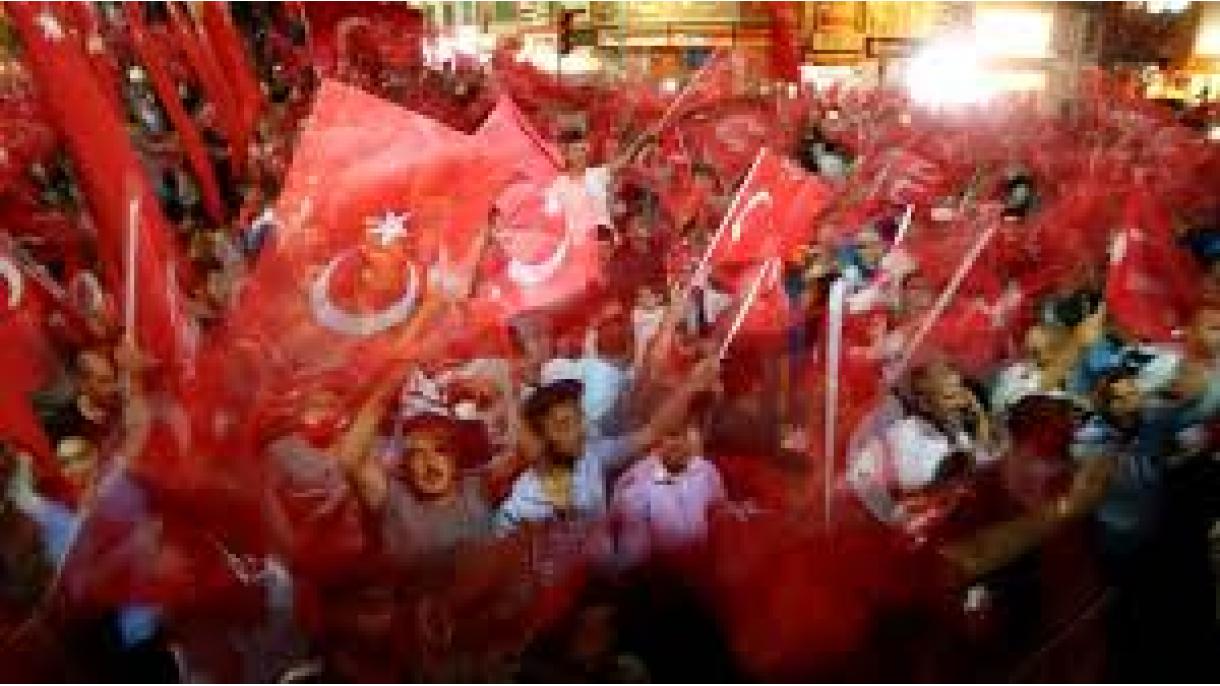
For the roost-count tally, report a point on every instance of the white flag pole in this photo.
(728, 219)
(834, 353)
(942, 303)
(129, 306)
(904, 225)
(747, 302)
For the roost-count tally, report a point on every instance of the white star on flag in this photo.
(51, 30)
(389, 227)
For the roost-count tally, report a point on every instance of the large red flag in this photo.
(1151, 286)
(157, 64)
(773, 212)
(132, 237)
(538, 257)
(374, 219)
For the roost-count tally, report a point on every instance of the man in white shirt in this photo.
(582, 192)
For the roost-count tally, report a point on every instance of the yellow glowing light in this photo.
(1207, 41)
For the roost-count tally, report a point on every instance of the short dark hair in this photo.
(571, 135)
(549, 396)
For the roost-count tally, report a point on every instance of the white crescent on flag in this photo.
(535, 273)
(757, 200)
(331, 316)
(16, 282)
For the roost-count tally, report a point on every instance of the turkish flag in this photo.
(1151, 286)
(537, 258)
(773, 212)
(506, 129)
(728, 135)
(121, 202)
(374, 218)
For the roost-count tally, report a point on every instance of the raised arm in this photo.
(1000, 544)
(354, 448)
(671, 412)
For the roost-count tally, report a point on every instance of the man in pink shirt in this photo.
(663, 503)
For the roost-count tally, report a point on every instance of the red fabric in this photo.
(727, 136)
(208, 71)
(226, 44)
(111, 176)
(26, 364)
(785, 47)
(157, 64)
(362, 164)
(560, 260)
(773, 212)
(1151, 287)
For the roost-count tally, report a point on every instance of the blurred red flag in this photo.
(25, 365)
(1151, 286)
(374, 220)
(157, 64)
(773, 212)
(538, 258)
(507, 129)
(123, 206)
(728, 135)
(207, 70)
(226, 45)
(785, 49)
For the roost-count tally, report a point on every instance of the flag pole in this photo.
(942, 302)
(129, 304)
(834, 351)
(747, 303)
(672, 109)
(727, 220)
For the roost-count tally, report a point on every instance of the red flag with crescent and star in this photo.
(774, 212)
(536, 257)
(374, 225)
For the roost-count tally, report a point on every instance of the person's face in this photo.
(917, 295)
(98, 377)
(944, 391)
(1206, 331)
(1123, 398)
(677, 451)
(1040, 345)
(563, 428)
(576, 156)
(871, 249)
(431, 466)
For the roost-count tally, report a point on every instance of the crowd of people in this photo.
(967, 431)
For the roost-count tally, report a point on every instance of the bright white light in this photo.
(1207, 41)
(947, 74)
(1213, 134)
(669, 85)
(1016, 33)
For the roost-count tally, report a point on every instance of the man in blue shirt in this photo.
(570, 479)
